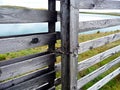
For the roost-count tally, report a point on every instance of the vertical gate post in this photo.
(51, 29)
(69, 37)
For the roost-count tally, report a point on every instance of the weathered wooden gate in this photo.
(37, 71)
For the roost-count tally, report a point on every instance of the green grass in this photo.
(113, 14)
(20, 7)
(112, 85)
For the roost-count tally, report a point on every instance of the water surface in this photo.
(17, 29)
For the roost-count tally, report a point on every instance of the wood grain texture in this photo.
(97, 24)
(24, 42)
(52, 29)
(20, 68)
(33, 83)
(99, 4)
(69, 32)
(25, 15)
(21, 79)
(105, 80)
(97, 58)
(93, 60)
(88, 45)
(20, 59)
(97, 72)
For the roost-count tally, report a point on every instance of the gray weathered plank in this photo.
(69, 32)
(21, 79)
(97, 72)
(23, 42)
(93, 60)
(57, 81)
(33, 83)
(105, 80)
(99, 4)
(20, 68)
(52, 88)
(19, 59)
(25, 15)
(88, 45)
(97, 58)
(97, 24)
(51, 29)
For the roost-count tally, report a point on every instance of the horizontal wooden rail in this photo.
(34, 83)
(97, 24)
(94, 74)
(93, 60)
(99, 4)
(15, 43)
(20, 59)
(97, 58)
(25, 15)
(89, 25)
(12, 70)
(88, 45)
(23, 78)
(105, 80)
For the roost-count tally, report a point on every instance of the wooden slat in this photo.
(19, 68)
(99, 4)
(33, 83)
(46, 86)
(43, 87)
(97, 58)
(94, 74)
(69, 28)
(93, 60)
(57, 81)
(51, 29)
(25, 15)
(20, 59)
(21, 79)
(88, 45)
(52, 88)
(23, 42)
(98, 24)
(105, 80)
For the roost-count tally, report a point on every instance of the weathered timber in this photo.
(20, 68)
(97, 58)
(57, 81)
(88, 45)
(52, 88)
(69, 32)
(21, 79)
(24, 42)
(20, 59)
(25, 15)
(99, 4)
(93, 60)
(105, 80)
(33, 83)
(97, 72)
(97, 24)
(51, 46)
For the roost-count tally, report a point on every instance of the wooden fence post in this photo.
(51, 29)
(69, 32)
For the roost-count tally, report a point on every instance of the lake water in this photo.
(16, 29)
